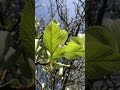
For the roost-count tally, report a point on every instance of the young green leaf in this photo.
(75, 49)
(53, 37)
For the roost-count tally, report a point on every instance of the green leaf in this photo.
(27, 32)
(102, 66)
(101, 35)
(53, 37)
(95, 51)
(101, 53)
(63, 37)
(74, 49)
(59, 52)
(77, 40)
(114, 27)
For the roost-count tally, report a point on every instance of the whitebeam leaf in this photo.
(52, 37)
(102, 55)
(75, 49)
(114, 27)
(27, 32)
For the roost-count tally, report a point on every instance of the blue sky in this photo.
(43, 11)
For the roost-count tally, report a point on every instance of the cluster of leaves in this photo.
(102, 49)
(53, 46)
(17, 66)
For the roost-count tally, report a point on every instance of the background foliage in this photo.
(15, 59)
(98, 10)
